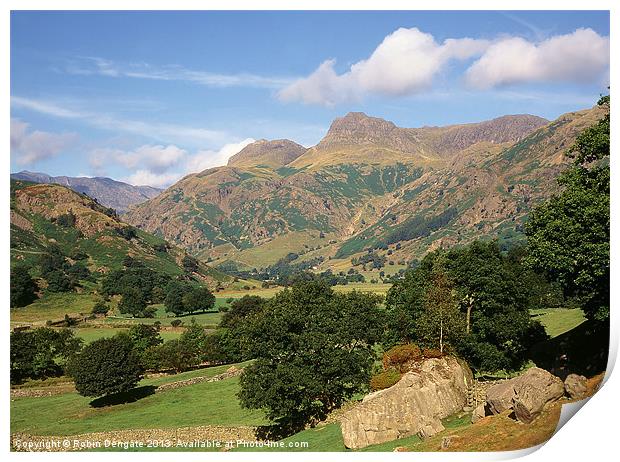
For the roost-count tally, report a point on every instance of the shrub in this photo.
(431, 353)
(384, 379)
(106, 366)
(176, 322)
(23, 287)
(400, 355)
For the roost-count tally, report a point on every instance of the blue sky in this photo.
(147, 97)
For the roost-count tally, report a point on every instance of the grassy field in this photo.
(88, 334)
(328, 438)
(558, 320)
(205, 403)
(54, 307)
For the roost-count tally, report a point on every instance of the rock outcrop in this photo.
(526, 395)
(576, 386)
(436, 389)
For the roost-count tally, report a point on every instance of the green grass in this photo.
(88, 334)
(54, 307)
(328, 438)
(204, 403)
(557, 321)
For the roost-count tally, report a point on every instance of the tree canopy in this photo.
(569, 234)
(313, 350)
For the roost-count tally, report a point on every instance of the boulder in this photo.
(436, 389)
(575, 386)
(526, 395)
(479, 413)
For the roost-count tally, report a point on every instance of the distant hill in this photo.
(368, 184)
(273, 154)
(93, 231)
(111, 193)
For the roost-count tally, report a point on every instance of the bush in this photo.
(100, 308)
(400, 355)
(431, 353)
(176, 322)
(106, 366)
(23, 287)
(384, 379)
(41, 353)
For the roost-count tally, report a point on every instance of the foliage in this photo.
(384, 379)
(487, 285)
(144, 336)
(66, 220)
(41, 353)
(100, 307)
(106, 366)
(313, 350)
(569, 234)
(58, 281)
(399, 355)
(190, 264)
(240, 309)
(198, 299)
(133, 303)
(23, 287)
(441, 322)
(175, 291)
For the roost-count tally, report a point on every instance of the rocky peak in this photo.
(275, 153)
(356, 128)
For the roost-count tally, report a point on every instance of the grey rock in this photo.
(415, 405)
(575, 386)
(526, 395)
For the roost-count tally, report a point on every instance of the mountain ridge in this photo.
(111, 193)
(433, 187)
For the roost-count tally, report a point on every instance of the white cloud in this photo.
(156, 180)
(160, 166)
(408, 61)
(105, 67)
(405, 62)
(31, 146)
(205, 159)
(155, 130)
(582, 56)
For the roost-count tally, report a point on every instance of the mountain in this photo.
(111, 193)
(369, 184)
(45, 214)
(265, 153)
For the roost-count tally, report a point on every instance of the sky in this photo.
(148, 97)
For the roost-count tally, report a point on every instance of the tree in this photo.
(441, 322)
(194, 340)
(175, 291)
(487, 286)
(58, 281)
(133, 302)
(569, 234)
(190, 264)
(144, 336)
(41, 353)
(66, 220)
(240, 309)
(23, 287)
(198, 299)
(100, 307)
(313, 350)
(106, 366)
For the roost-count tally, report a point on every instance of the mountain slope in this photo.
(274, 154)
(371, 184)
(111, 193)
(45, 214)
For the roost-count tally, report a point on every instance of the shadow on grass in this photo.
(582, 350)
(125, 397)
